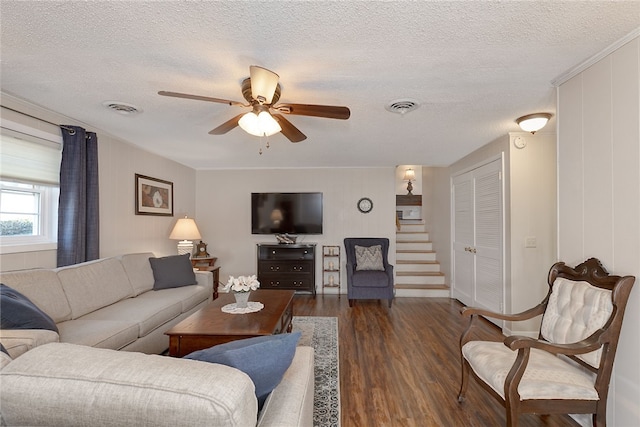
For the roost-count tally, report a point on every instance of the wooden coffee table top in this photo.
(210, 326)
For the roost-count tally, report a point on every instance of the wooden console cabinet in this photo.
(287, 266)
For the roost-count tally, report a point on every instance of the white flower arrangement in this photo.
(242, 284)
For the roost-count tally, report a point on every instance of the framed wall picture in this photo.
(153, 196)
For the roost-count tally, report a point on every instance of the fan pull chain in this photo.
(266, 145)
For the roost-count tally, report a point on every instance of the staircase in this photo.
(417, 269)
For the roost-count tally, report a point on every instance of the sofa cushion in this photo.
(265, 359)
(43, 288)
(18, 312)
(147, 311)
(68, 385)
(99, 333)
(189, 296)
(19, 341)
(139, 271)
(94, 284)
(369, 258)
(172, 271)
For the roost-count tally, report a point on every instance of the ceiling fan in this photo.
(262, 92)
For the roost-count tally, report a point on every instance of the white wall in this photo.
(121, 231)
(529, 211)
(532, 180)
(224, 210)
(599, 196)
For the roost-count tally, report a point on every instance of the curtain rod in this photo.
(71, 130)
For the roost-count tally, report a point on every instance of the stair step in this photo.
(404, 261)
(419, 273)
(414, 286)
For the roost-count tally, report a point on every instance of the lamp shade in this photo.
(262, 124)
(185, 229)
(409, 175)
(263, 83)
(533, 122)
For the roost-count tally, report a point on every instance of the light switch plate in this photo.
(530, 242)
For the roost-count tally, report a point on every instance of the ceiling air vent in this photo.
(402, 106)
(122, 108)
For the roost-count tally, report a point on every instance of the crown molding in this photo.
(572, 72)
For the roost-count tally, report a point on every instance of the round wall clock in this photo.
(365, 205)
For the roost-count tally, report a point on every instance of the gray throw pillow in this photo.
(265, 359)
(18, 312)
(172, 272)
(369, 258)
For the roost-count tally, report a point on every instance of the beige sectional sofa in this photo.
(107, 303)
(78, 378)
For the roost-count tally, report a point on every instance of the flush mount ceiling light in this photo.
(122, 108)
(533, 122)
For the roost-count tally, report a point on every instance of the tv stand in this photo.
(287, 266)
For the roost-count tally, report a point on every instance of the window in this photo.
(28, 213)
(29, 189)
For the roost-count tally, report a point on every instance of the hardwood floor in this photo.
(400, 366)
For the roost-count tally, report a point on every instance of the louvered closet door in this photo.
(478, 236)
(462, 283)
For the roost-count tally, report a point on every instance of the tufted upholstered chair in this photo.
(364, 282)
(568, 368)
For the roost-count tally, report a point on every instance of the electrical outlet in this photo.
(530, 242)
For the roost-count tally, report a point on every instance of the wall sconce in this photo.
(533, 122)
(409, 175)
(185, 230)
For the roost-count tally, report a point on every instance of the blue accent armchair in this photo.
(368, 284)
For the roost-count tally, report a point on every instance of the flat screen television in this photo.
(291, 213)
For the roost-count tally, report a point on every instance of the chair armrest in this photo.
(586, 345)
(529, 314)
(474, 312)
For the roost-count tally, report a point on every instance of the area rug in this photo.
(321, 333)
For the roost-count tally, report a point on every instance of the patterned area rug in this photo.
(321, 333)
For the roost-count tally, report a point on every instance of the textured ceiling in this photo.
(474, 66)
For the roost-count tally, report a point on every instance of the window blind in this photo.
(28, 158)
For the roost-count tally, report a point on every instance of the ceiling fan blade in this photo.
(292, 133)
(201, 98)
(226, 126)
(327, 111)
(263, 84)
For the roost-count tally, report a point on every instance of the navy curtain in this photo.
(78, 215)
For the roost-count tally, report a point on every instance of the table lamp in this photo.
(185, 231)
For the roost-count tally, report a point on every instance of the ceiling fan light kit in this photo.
(262, 92)
(261, 124)
(533, 122)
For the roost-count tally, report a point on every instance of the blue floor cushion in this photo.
(265, 359)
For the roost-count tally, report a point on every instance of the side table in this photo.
(207, 264)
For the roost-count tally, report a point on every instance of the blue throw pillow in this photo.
(18, 312)
(265, 359)
(172, 271)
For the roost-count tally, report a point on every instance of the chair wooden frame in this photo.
(590, 271)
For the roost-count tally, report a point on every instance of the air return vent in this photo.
(122, 107)
(402, 106)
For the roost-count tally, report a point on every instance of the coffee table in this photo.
(209, 326)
